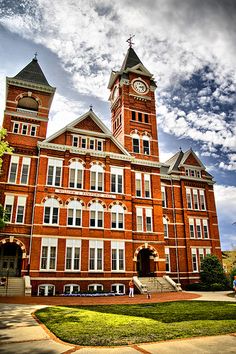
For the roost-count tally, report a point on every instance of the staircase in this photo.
(153, 285)
(16, 287)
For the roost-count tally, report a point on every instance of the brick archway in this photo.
(148, 247)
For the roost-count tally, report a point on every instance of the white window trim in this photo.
(21, 201)
(47, 285)
(118, 245)
(73, 243)
(96, 245)
(48, 242)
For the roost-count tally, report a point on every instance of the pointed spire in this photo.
(131, 59)
(32, 73)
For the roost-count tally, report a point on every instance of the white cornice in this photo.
(24, 115)
(31, 85)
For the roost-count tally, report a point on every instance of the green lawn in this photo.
(105, 325)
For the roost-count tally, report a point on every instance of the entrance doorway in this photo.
(10, 260)
(145, 263)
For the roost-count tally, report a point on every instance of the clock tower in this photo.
(133, 113)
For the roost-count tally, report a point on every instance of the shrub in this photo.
(213, 273)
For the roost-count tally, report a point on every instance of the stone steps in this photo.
(16, 287)
(155, 284)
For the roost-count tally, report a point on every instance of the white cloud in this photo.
(226, 203)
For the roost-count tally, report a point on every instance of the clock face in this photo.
(139, 86)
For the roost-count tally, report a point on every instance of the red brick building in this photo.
(89, 208)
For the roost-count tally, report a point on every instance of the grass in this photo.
(105, 325)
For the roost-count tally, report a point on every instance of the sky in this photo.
(188, 45)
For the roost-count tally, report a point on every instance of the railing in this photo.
(158, 284)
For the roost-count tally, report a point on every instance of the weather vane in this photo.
(91, 107)
(129, 40)
(35, 55)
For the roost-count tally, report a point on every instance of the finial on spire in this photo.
(91, 107)
(180, 148)
(129, 40)
(35, 56)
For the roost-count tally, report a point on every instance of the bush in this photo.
(232, 275)
(212, 273)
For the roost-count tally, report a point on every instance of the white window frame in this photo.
(73, 244)
(198, 228)
(147, 182)
(139, 216)
(76, 207)
(78, 169)
(117, 263)
(18, 127)
(195, 199)
(74, 139)
(95, 286)
(205, 229)
(51, 203)
(96, 245)
(163, 197)
(50, 243)
(167, 257)
(21, 203)
(146, 138)
(71, 288)
(25, 162)
(9, 201)
(138, 179)
(46, 288)
(189, 198)
(98, 172)
(55, 164)
(191, 224)
(202, 199)
(117, 211)
(117, 286)
(136, 137)
(96, 209)
(148, 214)
(35, 127)
(166, 227)
(117, 174)
(194, 260)
(15, 161)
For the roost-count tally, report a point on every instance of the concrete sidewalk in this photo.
(21, 334)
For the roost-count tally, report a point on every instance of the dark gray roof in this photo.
(174, 161)
(32, 73)
(131, 59)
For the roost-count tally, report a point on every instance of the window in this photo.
(198, 174)
(116, 180)
(95, 287)
(191, 228)
(25, 170)
(165, 224)
(46, 290)
(117, 255)
(205, 228)
(83, 143)
(51, 211)
(20, 211)
(163, 197)
(24, 129)
(54, 172)
(76, 175)
(91, 144)
(96, 215)
(146, 120)
(16, 128)
(148, 219)
(140, 117)
(194, 260)
(202, 200)
(167, 256)
(48, 254)
(9, 202)
(135, 138)
(139, 216)
(33, 130)
(99, 145)
(96, 179)
(13, 169)
(201, 256)
(133, 115)
(118, 289)
(146, 145)
(195, 199)
(95, 255)
(70, 289)
(74, 213)
(138, 184)
(75, 140)
(198, 227)
(189, 199)
(147, 186)
(117, 217)
(73, 248)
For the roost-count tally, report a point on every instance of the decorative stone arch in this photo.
(149, 247)
(76, 199)
(147, 134)
(99, 163)
(118, 203)
(12, 239)
(97, 201)
(75, 159)
(29, 94)
(52, 197)
(135, 132)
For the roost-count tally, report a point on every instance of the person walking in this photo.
(131, 288)
(234, 285)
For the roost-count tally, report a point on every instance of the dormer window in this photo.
(192, 173)
(83, 143)
(75, 141)
(91, 144)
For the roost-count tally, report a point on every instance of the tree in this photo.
(4, 148)
(212, 273)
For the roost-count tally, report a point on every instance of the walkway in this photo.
(21, 334)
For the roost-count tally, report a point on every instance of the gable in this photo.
(192, 161)
(88, 124)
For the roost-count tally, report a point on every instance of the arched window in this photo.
(117, 217)
(74, 214)
(76, 175)
(46, 290)
(166, 231)
(51, 211)
(95, 287)
(146, 145)
(135, 140)
(118, 289)
(28, 103)
(96, 215)
(96, 178)
(71, 289)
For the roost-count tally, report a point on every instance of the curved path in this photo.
(21, 333)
